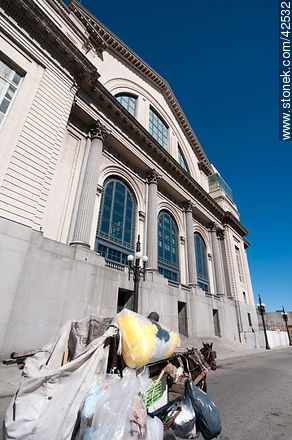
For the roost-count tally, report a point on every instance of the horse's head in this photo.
(209, 355)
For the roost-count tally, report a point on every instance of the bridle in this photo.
(209, 355)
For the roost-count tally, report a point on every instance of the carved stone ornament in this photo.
(212, 227)
(220, 234)
(99, 131)
(188, 206)
(153, 176)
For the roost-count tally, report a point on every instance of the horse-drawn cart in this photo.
(94, 382)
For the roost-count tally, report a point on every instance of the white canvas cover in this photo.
(46, 404)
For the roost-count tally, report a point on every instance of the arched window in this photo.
(115, 231)
(128, 101)
(168, 259)
(157, 128)
(201, 262)
(181, 159)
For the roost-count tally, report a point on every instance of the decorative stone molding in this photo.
(99, 131)
(42, 29)
(204, 168)
(153, 176)
(142, 215)
(99, 190)
(212, 227)
(220, 234)
(182, 239)
(188, 206)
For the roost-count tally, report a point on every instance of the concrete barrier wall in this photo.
(275, 338)
(45, 283)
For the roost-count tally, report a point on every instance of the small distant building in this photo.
(94, 151)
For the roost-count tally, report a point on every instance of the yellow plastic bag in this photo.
(143, 340)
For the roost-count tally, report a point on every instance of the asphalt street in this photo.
(254, 396)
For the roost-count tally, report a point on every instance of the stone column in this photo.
(227, 244)
(152, 220)
(81, 235)
(191, 256)
(218, 269)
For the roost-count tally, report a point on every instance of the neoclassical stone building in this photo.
(95, 151)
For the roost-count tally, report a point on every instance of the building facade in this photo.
(95, 151)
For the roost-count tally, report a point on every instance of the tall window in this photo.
(168, 260)
(9, 82)
(181, 159)
(115, 231)
(158, 129)
(239, 264)
(201, 262)
(128, 101)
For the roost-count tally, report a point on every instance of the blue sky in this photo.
(221, 60)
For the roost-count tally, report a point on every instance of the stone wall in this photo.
(45, 283)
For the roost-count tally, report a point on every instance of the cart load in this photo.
(106, 379)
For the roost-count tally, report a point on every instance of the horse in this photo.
(191, 363)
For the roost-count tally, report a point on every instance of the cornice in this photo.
(33, 20)
(231, 220)
(204, 168)
(99, 33)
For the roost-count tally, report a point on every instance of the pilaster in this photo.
(152, 228)
(218, 269)
(82, 230)
(191, 256)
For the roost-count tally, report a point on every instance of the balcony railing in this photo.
(216, 182)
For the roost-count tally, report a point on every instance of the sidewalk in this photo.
(224, 355)
(10, 374)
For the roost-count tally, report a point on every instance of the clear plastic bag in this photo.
(143, 340)
(113, 410)
(184, 425)
(154, 428)
(208, 417)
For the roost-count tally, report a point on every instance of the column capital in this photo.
(98, 131)
(212, 227)
(153, 176)
(221, 234)
(188, 206)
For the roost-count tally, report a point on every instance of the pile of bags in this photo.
(68, 389)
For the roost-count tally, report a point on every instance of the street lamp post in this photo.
(262, 309)
(137, 270)
(285, 318)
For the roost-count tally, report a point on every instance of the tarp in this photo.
(46, 404)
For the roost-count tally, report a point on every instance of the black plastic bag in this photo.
(207, 414)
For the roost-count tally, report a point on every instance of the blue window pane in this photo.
(158, 129)
(201, 262)
(168, 246)
(181, 159)
(105, 226)
(128, 101)
(116, 223)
